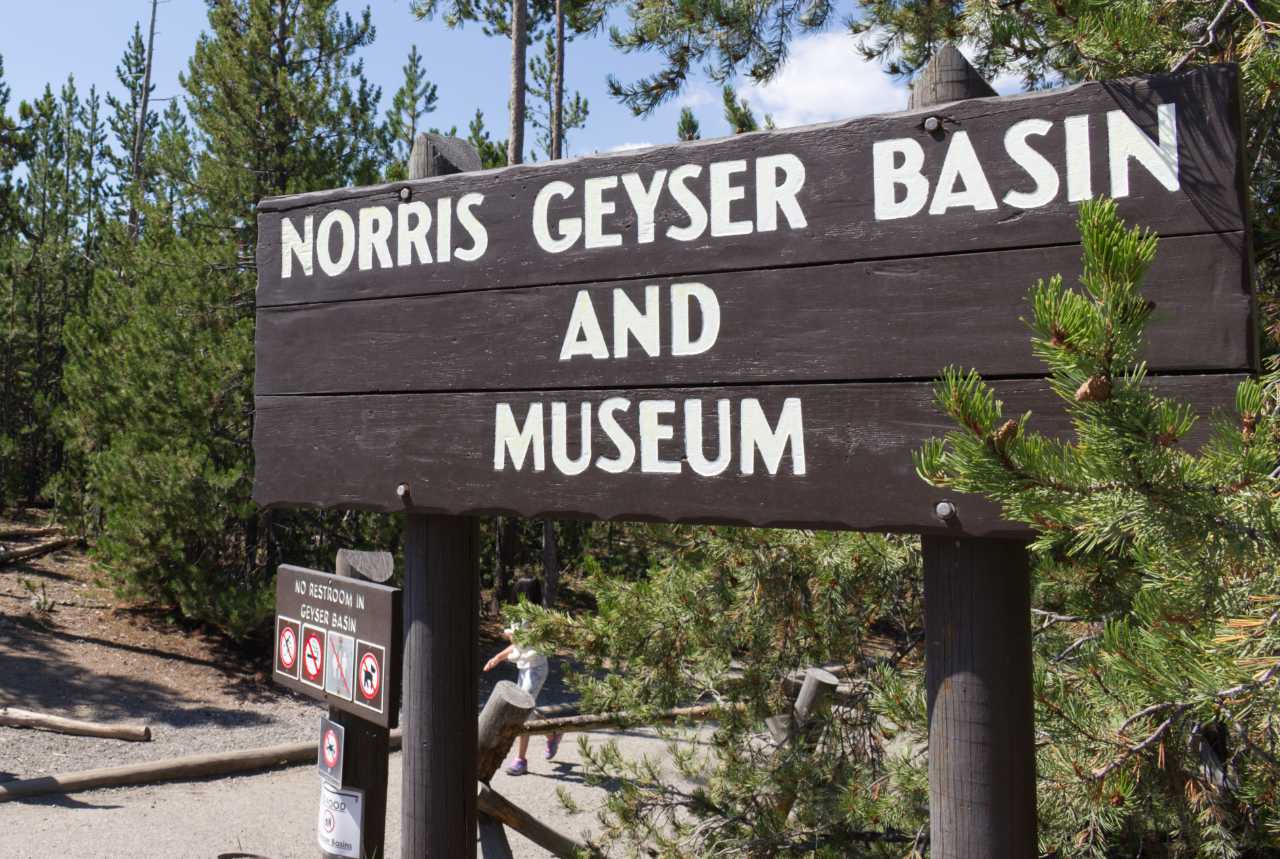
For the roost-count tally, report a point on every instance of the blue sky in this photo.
(824, 79)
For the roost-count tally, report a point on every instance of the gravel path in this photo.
(270, 814)
(73, 651)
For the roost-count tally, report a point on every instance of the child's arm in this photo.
(498, 658)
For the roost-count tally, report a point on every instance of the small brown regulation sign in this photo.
(338, 640)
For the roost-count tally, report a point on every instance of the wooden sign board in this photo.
(742, 330)
(338, 640)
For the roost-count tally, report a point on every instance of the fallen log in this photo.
(592, 721)
(13, 717)
(501, 809)
(500, 723)
(37, 550)
(29, 533)
(174, 769)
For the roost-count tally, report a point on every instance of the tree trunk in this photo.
(519, 35)
(557, 97)
(550, 564)
(508, 535)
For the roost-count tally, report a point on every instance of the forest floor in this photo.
(69, 647)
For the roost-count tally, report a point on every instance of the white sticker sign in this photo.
(341, 817)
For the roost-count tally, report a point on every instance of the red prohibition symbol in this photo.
(313, 663)
(370, 677)
(288, 647)
(330, 748)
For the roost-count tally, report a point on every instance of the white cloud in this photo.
(823, 79)
(626, 147)
(698, 95)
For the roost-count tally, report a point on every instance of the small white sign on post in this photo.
(338, 829)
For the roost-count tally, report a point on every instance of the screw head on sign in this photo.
(932, 124)
(944, 510)
(402, 490)
(406, 193)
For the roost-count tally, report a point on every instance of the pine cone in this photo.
(1005, 434)
(1095, 389)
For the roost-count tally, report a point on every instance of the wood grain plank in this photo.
(837, 196)
(353, 452)
(884, 320)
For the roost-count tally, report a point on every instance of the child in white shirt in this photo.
(533, 669)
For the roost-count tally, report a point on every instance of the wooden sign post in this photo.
(738, 331)
(977, 624)
(441, 637)
(368, 744)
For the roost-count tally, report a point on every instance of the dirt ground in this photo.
(69, 647)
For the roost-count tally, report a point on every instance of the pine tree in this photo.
(688, 128)
(573, 115)
(278, 103)
(517, 20)
(133, 123)
(412, 102)
(493, 153)
(738, 113)
(1159, 563)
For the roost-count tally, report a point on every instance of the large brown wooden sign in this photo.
(740, 330)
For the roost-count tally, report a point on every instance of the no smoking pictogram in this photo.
(288, 647)
(313, 656)
(329, 821)
(370, 677)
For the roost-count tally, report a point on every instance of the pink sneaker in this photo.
(553, 745)
(519, 766)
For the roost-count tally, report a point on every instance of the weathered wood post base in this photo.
(982, 770)
(977, 605)
(441, 684)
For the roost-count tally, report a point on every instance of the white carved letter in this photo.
(584, 336)
(292, 244)
(652, 433)
(629, 322)
(1125, 140)
(507, 437)
(626, 448)
(681, 339)
(771, 442)
(693, 451)
(560, 444)
(1036, 165)
(887, 175)
(961, 164)
(570, 228)
(773, 196)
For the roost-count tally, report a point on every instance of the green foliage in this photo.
(159, 378)
(542, 89)
(722, 38)
(1156, 660)
(125, 112)
(722, 616)
(493, 153)
(687, 128)
(412, 102)
(48, 254)
(737, 112)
